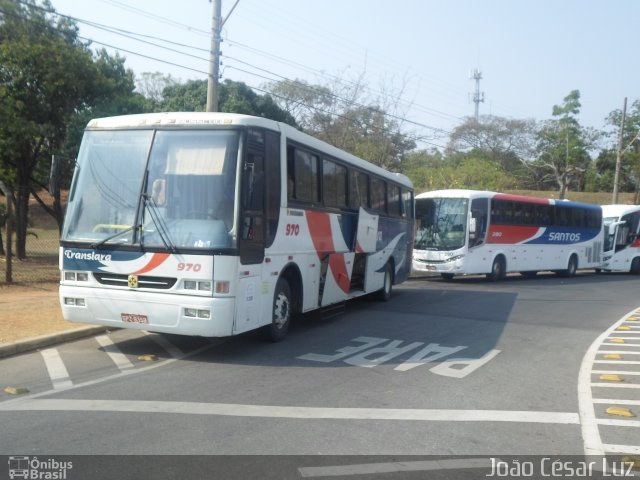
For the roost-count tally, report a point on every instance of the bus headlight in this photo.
(457, 257)
(76, 276)
(74, 302)
(196, 313)
(203, 286)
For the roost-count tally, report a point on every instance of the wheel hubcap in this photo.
(281, 311)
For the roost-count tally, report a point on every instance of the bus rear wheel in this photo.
(385, 293)
(281, 312)
(572, 268)
(635, 266)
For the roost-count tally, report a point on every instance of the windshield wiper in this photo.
(115, 235)
(158, 222)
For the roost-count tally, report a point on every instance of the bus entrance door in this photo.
(365, 242)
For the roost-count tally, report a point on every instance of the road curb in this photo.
(33, 343)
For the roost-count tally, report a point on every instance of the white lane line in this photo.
(618, 362)
(110, 348)
(272, 411)
(616, 401)
(615, 372)
(630, 449)
(590, 432)
(393, 467)
(614, 385)
(55, 366)
(619, 423)
(621, 352)
(169, 347)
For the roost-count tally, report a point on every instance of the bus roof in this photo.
(618, 210)
(463, 193)
(205, 119)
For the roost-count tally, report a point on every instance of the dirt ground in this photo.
(30, 311)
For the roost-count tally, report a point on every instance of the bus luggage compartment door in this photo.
(367, 232)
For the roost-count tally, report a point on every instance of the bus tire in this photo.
(281, 312)
(572, 267)
(635, 266)
(384, 294)
(498, 269)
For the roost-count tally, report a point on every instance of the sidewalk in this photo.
(31, 318)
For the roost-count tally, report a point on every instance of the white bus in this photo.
(460, 232)
(214, 224)
(622, 238)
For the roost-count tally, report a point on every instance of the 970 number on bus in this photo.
(189, 267)
(293, 229)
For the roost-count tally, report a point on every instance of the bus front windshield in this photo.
(167, 188)
(441, 223)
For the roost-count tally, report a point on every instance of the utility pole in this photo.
(477, 96)
(616, 177)
(214, 57)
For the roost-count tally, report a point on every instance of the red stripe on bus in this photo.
(320, 230)
(338, 268)
(521, 198)
(510, 233)
(156, 260)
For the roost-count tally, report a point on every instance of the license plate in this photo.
(134, 318)
(431, 267)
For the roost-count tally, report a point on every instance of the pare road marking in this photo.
(373, 351)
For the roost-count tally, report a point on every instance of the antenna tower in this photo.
(478, 96)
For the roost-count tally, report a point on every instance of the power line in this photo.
(132, 35)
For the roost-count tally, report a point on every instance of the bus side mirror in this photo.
(472, 227)
(613, 226)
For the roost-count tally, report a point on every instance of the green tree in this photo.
(343, 116)
(564, 145)
(46, 76)
(509, 142)
(151, 85)
(235, 97)
(630, 161)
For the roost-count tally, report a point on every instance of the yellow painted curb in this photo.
(611, 378)
(616, 340)
(620, 412)
(613, 356)
(16, 390)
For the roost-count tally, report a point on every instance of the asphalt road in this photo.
(465, 368)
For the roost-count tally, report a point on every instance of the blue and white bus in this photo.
(214, 224)
(621, 238)
(462, 232)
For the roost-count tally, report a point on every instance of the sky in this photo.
(415, 54)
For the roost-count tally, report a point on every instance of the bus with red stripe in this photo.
(464, 232)
(621, 238)
(214, 224)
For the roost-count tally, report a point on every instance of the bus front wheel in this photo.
(498, 270)
(281, 312)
